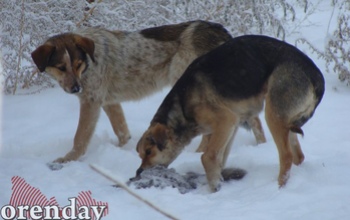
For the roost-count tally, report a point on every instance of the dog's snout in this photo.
(75, 88)
(139, 171)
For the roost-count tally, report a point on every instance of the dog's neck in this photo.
(172, 114)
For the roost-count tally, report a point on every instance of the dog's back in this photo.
(142, 62)
(200, 35)
(244, 66)
(193, 38)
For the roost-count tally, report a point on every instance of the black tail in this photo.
(297, 130)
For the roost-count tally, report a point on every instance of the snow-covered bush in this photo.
(27, 23)
(24, 25)
(337, 48)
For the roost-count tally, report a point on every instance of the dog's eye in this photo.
(79, 65)
(152, 141)
(62, 68)
(148, 152)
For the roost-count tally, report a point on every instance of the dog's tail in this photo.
(297, 130)
(301, 118)
(310, 104)
(298, 123)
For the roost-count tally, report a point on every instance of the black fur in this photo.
(206, 35)
(242, 65)
(240, 68)
(166, 32)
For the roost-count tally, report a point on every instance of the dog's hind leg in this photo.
(258, 131)
(298, 156)
(223, 123)
(116, 117)
(89, 113)
(280, 133)
(290, 102)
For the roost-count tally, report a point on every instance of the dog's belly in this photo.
(135, 85)
(248, 108)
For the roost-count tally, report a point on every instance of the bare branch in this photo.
(88, 14)
(109, 176)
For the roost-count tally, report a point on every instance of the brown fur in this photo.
(227, 86)
(104, 68)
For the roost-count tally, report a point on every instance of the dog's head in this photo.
(65, 58)
(156, 147)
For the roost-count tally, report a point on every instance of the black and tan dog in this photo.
(104, 68)
(229, 85)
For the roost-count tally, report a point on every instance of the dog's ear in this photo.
(86, 44)
(41, 56)
(160, 136)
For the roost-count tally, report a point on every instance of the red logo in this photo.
(28, 202)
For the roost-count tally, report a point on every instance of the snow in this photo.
(36, 129)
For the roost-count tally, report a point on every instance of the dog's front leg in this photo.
(89, 113)
(116, 117)
(223, 124)
(215, 156)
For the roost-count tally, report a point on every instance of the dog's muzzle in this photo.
(139, 171)
(76, 89)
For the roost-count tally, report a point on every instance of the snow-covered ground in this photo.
(37, 129)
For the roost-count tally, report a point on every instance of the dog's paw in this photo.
(215, 184)
(61, 160)
(71, 156)
(55, 166)
(298, 158)
(123, 140)
(282, 180)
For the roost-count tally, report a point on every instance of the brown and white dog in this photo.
(226, 86)
(104, 68)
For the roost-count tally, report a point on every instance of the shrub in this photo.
(27, 23)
